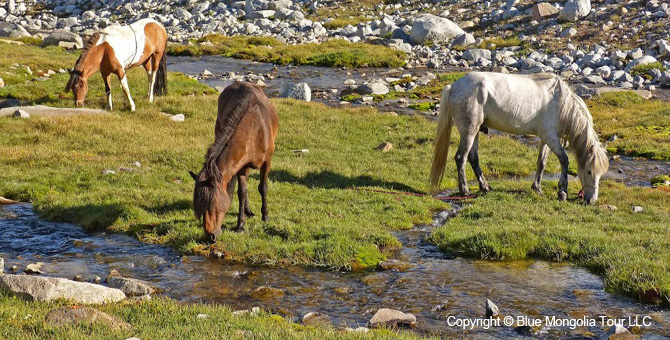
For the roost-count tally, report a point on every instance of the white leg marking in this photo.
(124, 86)
(152, 84)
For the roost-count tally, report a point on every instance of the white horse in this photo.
(538, 104)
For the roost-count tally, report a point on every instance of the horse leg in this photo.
(467, 139)
(556, 147)
(473, 158)
(126, 90)
(263, 189)
(242, 177)
(150, 76)
(541, 163)
(106, 78)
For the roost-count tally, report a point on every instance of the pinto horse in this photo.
(538, 104)
(116, 49)
(245, 131)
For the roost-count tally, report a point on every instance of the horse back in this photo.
(253, 140)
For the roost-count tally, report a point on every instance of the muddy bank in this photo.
(433, 286)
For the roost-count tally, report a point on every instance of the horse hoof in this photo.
(562, 196)
(265, 218)
(249, 213)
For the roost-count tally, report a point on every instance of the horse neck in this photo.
(578, 130)
(92, 61)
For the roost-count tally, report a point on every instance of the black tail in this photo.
(160, 88)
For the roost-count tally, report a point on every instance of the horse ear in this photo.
(195, 177)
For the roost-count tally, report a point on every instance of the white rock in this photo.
(300, 91)
(428, 27)
(178, 118)
(38, 288)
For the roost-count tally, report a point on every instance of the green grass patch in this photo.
(643, 70)
(641, 125)
(629, 250)
(331, 53)
(162, 318)
(423, 106)
(660, 180)
(498, 42)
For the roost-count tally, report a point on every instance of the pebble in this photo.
(637, 209)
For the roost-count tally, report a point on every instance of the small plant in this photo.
(643, 70)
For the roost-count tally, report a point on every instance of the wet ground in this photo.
(435, 287)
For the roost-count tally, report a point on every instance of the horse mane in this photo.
(233, 104)
(577, 127)
(76, 71)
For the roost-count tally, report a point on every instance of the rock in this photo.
(491, 309)
(644, 60)
(265, 293)
(357, 330)
(2, 266)
(14, 268)
(34, 268)
(61, 35)
(2, 83)
(609, 207)
(206, 74)
(428, 27)
(130, 287)
(317, 319)
(477, 54)
(392, 318)
(465, 39)
(384, 147)
(178, 118)
(300, 91)
(574, 10)
(568, 32)
(6, 201)
(202, 316)
(109, 172)
(78, 278)
(637, 209)
(619, 332)
(21, 114)
(394, 265)
(75, 315)
(543, 11)
(374, 87)
(13, 31)
(37, 288)
(97, 279)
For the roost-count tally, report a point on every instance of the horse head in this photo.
(79, 87)
(210, 203)
(589, 174)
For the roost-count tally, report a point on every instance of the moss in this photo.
(660, 180)
(643, 70)
(424, 106)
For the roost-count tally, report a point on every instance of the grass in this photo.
(641, 125)
(331, 53)
(345, 15)
(643, 70)
(311, 225)
(167, 319)
(498, 42)
(629, 250)
(52, 58)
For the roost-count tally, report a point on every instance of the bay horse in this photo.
(245, 131)
(538, 104)
(116, 49)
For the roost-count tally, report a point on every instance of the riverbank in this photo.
(128, 173)
(165, 318)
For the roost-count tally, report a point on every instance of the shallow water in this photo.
(437, 286)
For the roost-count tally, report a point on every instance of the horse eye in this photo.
(589, 172)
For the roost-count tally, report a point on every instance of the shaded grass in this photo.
(331, 53)
(167, 319)
(629, 250)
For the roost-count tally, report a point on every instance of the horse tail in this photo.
(160, 88)
(442, 139)
(234, 102)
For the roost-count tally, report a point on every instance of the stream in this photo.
(435, 287)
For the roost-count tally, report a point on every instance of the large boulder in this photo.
(300, 91)
(58, 37)
(543, 11)
(13, 31)
(428, 27)
(477, 54)
(373, 87)
(71, 315)
(574, 10)
(392, 318)
(37, 288)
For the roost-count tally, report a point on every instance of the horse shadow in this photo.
(327, 179)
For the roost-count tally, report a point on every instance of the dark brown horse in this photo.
(245, 131)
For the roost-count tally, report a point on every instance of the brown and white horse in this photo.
(116, 49)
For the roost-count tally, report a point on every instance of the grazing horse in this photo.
(116, 49)
(245, 131)
(538, 104)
